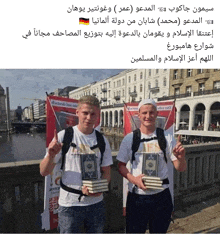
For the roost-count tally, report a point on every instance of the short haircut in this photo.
(89, 99)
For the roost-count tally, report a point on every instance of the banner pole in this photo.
(54, 112)
(130, 115)
(169, 115)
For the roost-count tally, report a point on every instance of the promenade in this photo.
(203, 217)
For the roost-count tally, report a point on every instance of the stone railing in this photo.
(202, 178)
(22, 190)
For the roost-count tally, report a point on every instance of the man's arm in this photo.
(47, 164)
(179, 153)
(106, 174)
(136, 180)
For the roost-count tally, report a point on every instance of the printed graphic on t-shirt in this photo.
(84, 148)
(151, 147)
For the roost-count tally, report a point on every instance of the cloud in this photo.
(33, 83)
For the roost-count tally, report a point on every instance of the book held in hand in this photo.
(90, 174)
(150, 170)
(95, 186)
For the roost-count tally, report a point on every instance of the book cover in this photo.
(150, 164)
(89, 166)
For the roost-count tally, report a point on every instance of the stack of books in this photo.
(152, 182)
(96, 186)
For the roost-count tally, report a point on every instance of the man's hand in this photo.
(47, 164)
(139, 182)
(180, 164)
(85, 191)
(54, 146)
(179, 150)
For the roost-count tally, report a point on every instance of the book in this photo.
(150, 164)
(89, 166)
(95, 182)
(153, 184)
(97, 188)
(151, 178)
(155, 187)
(99, 191)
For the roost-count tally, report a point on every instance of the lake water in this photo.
(32, 146)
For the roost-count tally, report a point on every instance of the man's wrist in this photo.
(50, 157)
(181, 159)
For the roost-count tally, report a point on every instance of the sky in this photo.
(28, 84)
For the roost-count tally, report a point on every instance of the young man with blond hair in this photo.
(88, 211)
(147, 207)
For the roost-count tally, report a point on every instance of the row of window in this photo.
(141, 87)
(141, 75)
(188, 72)
(95, 91)
(216, 85)
(122, 82)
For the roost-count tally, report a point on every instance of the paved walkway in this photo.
(200, 218)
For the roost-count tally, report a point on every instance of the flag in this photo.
(84, 21)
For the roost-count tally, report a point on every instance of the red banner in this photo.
(165, 119)
(61, 113)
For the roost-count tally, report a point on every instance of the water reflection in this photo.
(32, 146)
(22, 146)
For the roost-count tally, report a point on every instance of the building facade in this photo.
(128, 86)
(39, 109)
(195, 92)
(197, 98)
(3, 116)
(64, 92)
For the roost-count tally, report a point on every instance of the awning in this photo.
(199, 133)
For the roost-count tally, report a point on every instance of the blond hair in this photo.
(89, 99)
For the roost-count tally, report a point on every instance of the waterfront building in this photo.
(64, 92)
(3, 116)
(128, 86)
(27, 114)
(39, 109)
(196, 94)
(18, 113)
(13, 115)
(57, 91)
